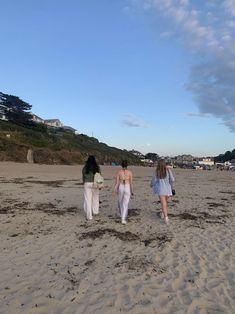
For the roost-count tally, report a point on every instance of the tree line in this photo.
(229, 155)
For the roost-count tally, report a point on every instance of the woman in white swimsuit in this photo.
(123, 188)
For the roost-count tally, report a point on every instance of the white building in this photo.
(147, 161)
(206, 162)
(69, 128)
(36, 118)
(3, 117)
(54, 122)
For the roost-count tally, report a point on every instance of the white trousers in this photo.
(124, 194)
(91, 200)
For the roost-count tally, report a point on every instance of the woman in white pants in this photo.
(123, 187)
(91, 194)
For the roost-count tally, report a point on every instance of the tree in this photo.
(15, 110)
(225, 157)
(154, 157)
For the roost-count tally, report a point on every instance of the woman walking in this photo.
(91, 194)
(162, 184)
(123, 188)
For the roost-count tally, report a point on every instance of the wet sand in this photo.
(54, 261)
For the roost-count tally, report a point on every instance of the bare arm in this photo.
(83, 175)
(131, 182)
(171, 178)
(116, 183)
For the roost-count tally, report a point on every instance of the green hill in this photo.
(55, 146)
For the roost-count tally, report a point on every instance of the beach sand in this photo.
(54, 261)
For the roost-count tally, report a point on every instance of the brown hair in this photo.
(161, 169)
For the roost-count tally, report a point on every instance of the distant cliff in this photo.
(55, 146)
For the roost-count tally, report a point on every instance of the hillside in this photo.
(55, 146)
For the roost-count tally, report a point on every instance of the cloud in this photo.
(166, 34)
(197, 114)
(208, 32)
(126, 9)
(133, 121)
(229, 5)
(230, 124)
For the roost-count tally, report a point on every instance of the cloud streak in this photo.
(208, 32)
(197, 114)
(132, 121)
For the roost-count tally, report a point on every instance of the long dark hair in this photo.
(91, 165)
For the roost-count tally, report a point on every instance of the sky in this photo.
(151, 75)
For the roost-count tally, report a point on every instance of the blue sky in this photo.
(152, 75)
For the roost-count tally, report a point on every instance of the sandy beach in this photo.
(54, 261)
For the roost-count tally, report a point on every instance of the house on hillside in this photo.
(36, 118)
(137, 154)
(56, 123)
(69, 128)
(3, 117)
(147, 162)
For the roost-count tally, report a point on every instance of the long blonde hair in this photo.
(161, 169)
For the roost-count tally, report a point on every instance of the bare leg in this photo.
(164, 200)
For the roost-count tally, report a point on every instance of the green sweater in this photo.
(87, 177)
